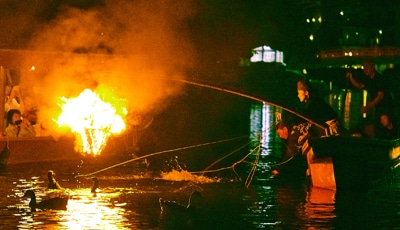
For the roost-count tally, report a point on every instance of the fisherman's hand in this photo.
(366, 109)
(349, 75)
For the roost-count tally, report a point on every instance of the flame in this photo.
(92, 119)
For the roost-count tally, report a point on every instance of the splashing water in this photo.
(184, 175)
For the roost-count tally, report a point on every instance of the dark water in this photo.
(129, 195)
(130, 201)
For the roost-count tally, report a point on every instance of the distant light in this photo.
(377, 41)
(356, 33)
(380, 31)
(341, 13)
(304, 71)
(320, 19)
(33, 68)
(266, 54)
(350, 54)
(313, 19)
(308, 20)
(347, 36)
(311, 37)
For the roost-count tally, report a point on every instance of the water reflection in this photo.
(262, 123)
(88, 212)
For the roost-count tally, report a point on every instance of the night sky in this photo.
(221, 31)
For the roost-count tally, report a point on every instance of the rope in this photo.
(236, 150)
(233, 166)
(253, 169)
(161, 152)
(225, 168)
(245, 96)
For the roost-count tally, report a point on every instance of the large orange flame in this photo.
(92, 119)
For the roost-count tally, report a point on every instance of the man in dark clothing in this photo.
(294, 137)
(316, 108)
(376, 87)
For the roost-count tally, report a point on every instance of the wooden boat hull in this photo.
(48, 149)
(353, 162)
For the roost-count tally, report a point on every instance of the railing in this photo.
(360, 52)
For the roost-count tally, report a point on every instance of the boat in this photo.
(345, 162)
(62, 149)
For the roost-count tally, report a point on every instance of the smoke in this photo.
(127, 46)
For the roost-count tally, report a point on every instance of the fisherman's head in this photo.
(282, 130)
(303, 90)
(369, 69)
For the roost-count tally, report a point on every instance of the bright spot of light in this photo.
(356, 33)
(304, 71)
(380, 31)
(311, 37)
(350, 54)
(320, 19)
(341, 13)
(313, 19)
(308, 20)
(33, 68)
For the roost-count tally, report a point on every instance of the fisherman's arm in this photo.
(371, 104)
(353, 81)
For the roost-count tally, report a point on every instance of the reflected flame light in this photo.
(92, 213)
(92, 119)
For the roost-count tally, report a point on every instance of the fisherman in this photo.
(295, 136)
(297, 132)
(316, 109)
(374, 83)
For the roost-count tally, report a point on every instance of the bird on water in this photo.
(53, 184)
(55, 203)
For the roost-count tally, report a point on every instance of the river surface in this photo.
(131, 201)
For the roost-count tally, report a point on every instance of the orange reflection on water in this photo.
(88, 212)
(320, 204)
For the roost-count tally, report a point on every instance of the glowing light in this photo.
(33, 68)
(311, 37)
(88, 212)
(92, 119)
(341, 13)
(356, 33)
(320, 19)
(313, 19)
(304, 71)
(350, 54)
(266, 54)
(308, 20)
(380, 31)
(377, 41)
